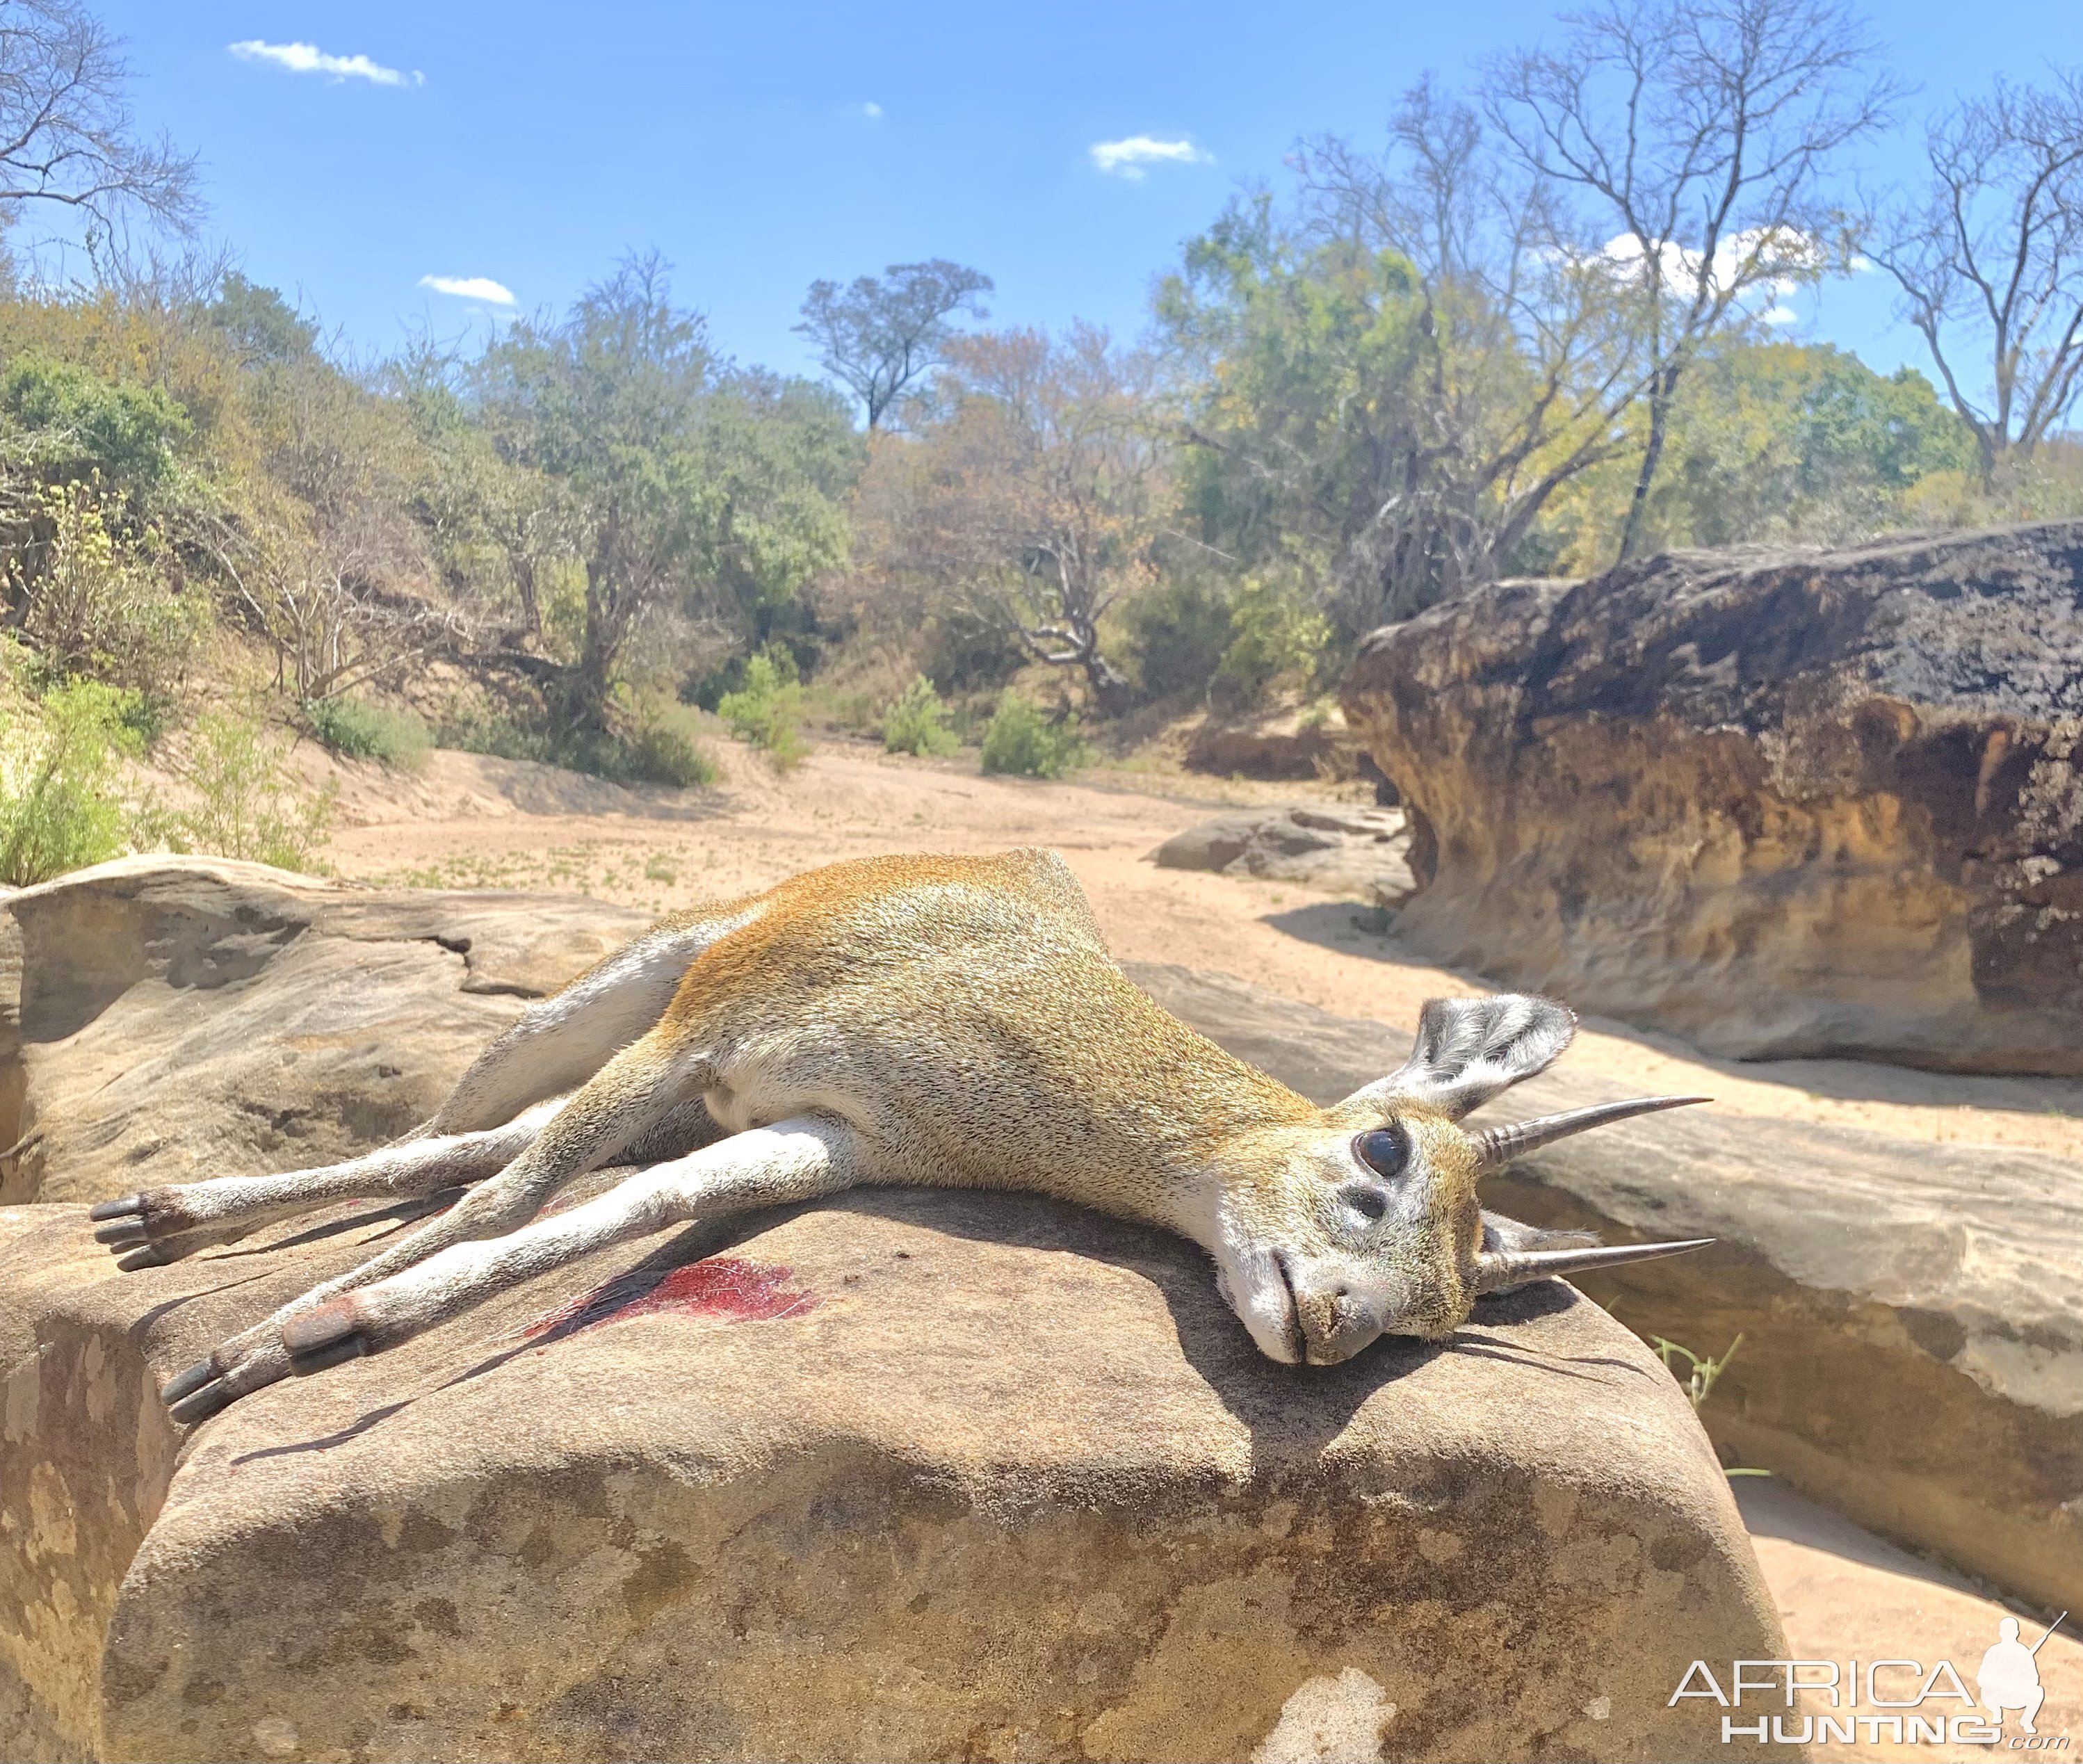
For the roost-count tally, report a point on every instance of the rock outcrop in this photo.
(1783, 803)
(1364, 851)
(912, 1475)
(1912, 1350)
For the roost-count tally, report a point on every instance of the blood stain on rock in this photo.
(722, 1289)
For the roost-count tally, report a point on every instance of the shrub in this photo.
(356, 730)
(1021, 741)
(1276, 639)
(60, 807)
(659, 748)
(915, 722)
(96, 606)
(766, 711)
(79, 423)
(245, 802)
(1177, 634)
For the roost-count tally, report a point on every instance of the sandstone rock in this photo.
(1327, 845)
(1912, 1329)
(1783, 803)
(912, 1475)
(338, 1018)
(1289, 741)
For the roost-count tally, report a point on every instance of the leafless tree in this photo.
(1988, 259)
(67, 136)
(881, 338)
(1688, 145)
(1526, 367)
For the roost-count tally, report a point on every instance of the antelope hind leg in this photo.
(803, 1158)
(164, 1225)
(635, 1096)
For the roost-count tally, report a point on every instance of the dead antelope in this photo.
(932, 1021)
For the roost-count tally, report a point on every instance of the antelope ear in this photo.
(1469, 1049)
(1500, 1233)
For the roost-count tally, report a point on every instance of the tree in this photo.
(1989, 262)
(686, 490)
(1686, 146)
(66, 133)
(883, 338)
(1388, 384)
(1036, 497)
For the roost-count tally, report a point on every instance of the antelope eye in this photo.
(1384, 1151)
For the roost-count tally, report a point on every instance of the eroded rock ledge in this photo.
(1784, 803)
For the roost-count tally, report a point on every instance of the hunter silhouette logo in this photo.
(2010, 1676)
(1899, 1701)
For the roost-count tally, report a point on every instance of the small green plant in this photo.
(59, 805)
(357, 729)
(1277, 638)
(1021, 742)
(915, 722)
(766, 711)
(244, 802)
(658, 747)
(1703, 1369)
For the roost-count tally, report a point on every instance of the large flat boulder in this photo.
(1329, 845)
(1912, 1350)
(913, 1476)
(1784, 803)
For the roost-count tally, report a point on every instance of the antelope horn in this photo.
(1498, 1269)
(1497, 1146)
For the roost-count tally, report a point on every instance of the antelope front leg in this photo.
(803, 1158)
(164, 1225)
(633, 1095)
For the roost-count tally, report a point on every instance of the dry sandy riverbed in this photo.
(466, 821)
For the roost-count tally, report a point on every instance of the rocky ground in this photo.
(468, 821)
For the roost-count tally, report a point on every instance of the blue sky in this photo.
(529, 144)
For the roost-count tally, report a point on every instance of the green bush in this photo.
(1177, 633)
(97, 605)
(60, 806)
(766, 711)
(1021, 742)
(915, 722)
(660, 748)
(1277, 638)
(80, 424)
(244, 800)
(356, 730)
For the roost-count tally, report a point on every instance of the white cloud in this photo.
(470, 288)
(1772, 264)
(1127, 158)
(873, 111)
(309, 58)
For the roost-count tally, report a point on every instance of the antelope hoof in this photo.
(149, 1230)
(326, 1336)
(198, 1393)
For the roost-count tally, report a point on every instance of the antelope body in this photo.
(927, 1020)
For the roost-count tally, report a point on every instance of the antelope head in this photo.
(1367, 1223)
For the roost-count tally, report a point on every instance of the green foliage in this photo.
(243, 800)
(60, 808)
(98, 606)
(259, 323)
(916, 722)
(1702, 1370)
(1020, 742)
(357, 729)
(1177, 633)
(79, 423)
(1276, 638)
(766, 711)
(688, 488)
(659, 747)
